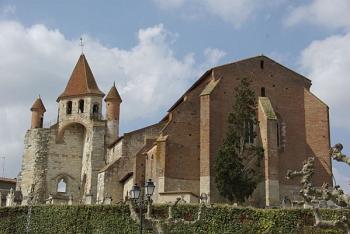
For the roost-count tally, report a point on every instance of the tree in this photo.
(238, 159)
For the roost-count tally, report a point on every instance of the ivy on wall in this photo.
(116, 219)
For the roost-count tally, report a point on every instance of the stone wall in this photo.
(124, 155)
(34, 164)
(115, 152)
(65, 161)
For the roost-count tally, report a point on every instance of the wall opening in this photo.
(41, 121)
(69, 108)
(262, 64)
(62, 186)
(81, 106)
(263, 92)
(249, 131)
(95, 109)
(278, 136)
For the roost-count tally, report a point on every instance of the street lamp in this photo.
(138, 197)
(149, 186)
(135, 192)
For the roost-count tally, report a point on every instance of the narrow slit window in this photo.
(262, 64)
(81, 106)
(263, 92)
(278, 136)
(249, 131)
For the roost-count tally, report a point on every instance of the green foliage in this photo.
(68, 219)
(116, 219)
(236, 175)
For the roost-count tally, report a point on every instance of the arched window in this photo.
(69, 108)
(249, 131)
(95, 109)
(62, 186)
(81, 106)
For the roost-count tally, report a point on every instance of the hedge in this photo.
(116, 219)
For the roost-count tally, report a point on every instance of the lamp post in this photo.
(138, 196)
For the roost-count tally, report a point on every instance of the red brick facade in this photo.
(197, 125)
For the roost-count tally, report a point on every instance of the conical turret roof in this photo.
(113, 94)
(82, 81)
(38, 105)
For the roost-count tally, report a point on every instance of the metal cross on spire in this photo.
(82, 45)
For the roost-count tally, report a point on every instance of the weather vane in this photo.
(82, 45)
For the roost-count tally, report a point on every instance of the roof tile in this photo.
(82, 81)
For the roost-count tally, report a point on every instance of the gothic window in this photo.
(249, 131)
(69, 108)
(95, 109)
(263, 92)
(62, 186)
(81, 106)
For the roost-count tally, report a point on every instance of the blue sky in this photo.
(155, 49)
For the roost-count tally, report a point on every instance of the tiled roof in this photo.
(113, 94)
(82, 81)
(4, 179)
(38, 105)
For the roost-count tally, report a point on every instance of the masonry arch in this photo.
(62, 183)
(61, 130)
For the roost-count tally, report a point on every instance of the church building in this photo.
(83, 159)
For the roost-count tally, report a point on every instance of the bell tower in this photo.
(82, 99)
(80, 109)
(113, 101)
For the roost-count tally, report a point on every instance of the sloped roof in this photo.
(202, 78)
(113, 94)
(38, 105)
(81, 81)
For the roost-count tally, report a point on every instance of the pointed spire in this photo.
(113, 94)
(38, 105)
(82, 81)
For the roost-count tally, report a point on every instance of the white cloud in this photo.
(169, 4)
(235, 12)
(331, 14)
(327, 63)
(213, 55)
(37, 60)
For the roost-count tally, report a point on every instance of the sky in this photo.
(155, 49)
